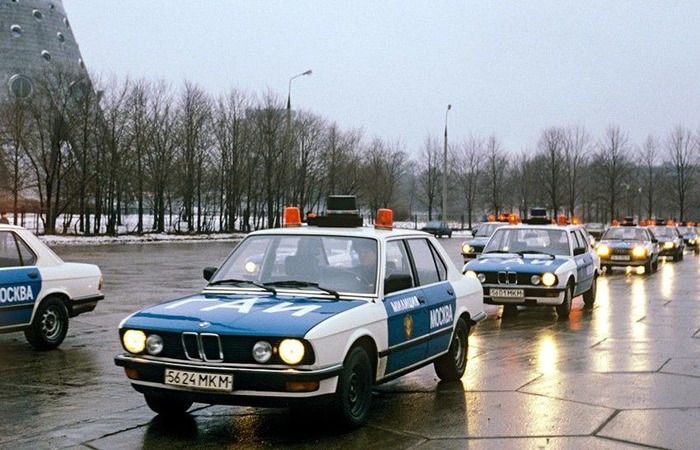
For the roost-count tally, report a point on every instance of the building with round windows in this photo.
(35, 36)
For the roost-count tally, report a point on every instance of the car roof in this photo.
(365, 231)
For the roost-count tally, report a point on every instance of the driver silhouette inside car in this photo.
(366, 270)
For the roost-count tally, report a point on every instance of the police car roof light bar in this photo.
(292, 216)
(385, 219)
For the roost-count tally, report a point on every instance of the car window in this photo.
(344, 264)
(424, 261)
(397, 260)
(14, 252)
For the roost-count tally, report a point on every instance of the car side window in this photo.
(426, 269)
(14, 252)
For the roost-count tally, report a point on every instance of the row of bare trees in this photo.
(193, 162)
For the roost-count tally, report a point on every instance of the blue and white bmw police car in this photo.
(537, 265)
(38, 291)
(306, 314)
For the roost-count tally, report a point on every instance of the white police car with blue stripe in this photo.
(38, 291)
(306, 314)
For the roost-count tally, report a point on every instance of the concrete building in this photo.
(35, 36)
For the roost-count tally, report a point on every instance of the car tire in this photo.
(589, 295)
(564, 309)
(452, 365)
(648, 268)
(50, 325)
(354, 391)
(655, 266)
(509, 311)
(680, 255)
(167, 406)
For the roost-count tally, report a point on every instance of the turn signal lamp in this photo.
(292, 217)
(385, 219)
(562, 220)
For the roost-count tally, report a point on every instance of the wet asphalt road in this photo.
(624, 374)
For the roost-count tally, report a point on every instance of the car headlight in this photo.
(466, 248)
(291, 351)
(535, 279)
(262, 351)
(549, 279)
(154, 344)
(669, 245)
(603, 250)
(639, 252)
(134, 341)
(479, 276)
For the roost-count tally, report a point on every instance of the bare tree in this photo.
(649, 156)
(612, 168)
(14, 132)
(429, 173)
(495, 168)
(383, 167)
(550, 155)
(469, 157)
(577, 146)
(683, 154)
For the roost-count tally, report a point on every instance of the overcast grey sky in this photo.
(509, 68)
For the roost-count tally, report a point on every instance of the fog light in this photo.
(291, 351)
(131, 374)
(154, 344)
(262, 351)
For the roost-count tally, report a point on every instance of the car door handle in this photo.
(33, 275)
(451, 291)
(421, 299)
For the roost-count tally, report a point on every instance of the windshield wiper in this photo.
(497, 251)
(536, 252)
(302, 284)
(239, 282)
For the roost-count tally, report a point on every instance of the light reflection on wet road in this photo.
(624, 372)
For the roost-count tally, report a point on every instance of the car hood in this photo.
(248, 315)
(529, 264)
(623, 243)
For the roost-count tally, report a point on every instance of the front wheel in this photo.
(452, 365)
(167, 406)
(564, 309)
(354, 392)
(50, 325)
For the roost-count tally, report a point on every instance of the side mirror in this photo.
(397, 282)
(579, 251)
(209, 272)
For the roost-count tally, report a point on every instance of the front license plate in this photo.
(620, 257)
(199, 380)
(507, 293)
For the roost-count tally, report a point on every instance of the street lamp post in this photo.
(289, 117)
(444, 170)
(289, 95)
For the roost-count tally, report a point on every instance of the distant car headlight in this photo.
(549, 279)
(669, 245)
(691, 242)
(639, 252)
(154, 344)
(603, 250)
(134, 341)
(535, 279)
(466, 248)
(291, 351)
(262, 351)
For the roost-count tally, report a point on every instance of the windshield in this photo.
(487, 229)
(335, 263)
(625, 233)
(524, 240)
(665, 232)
